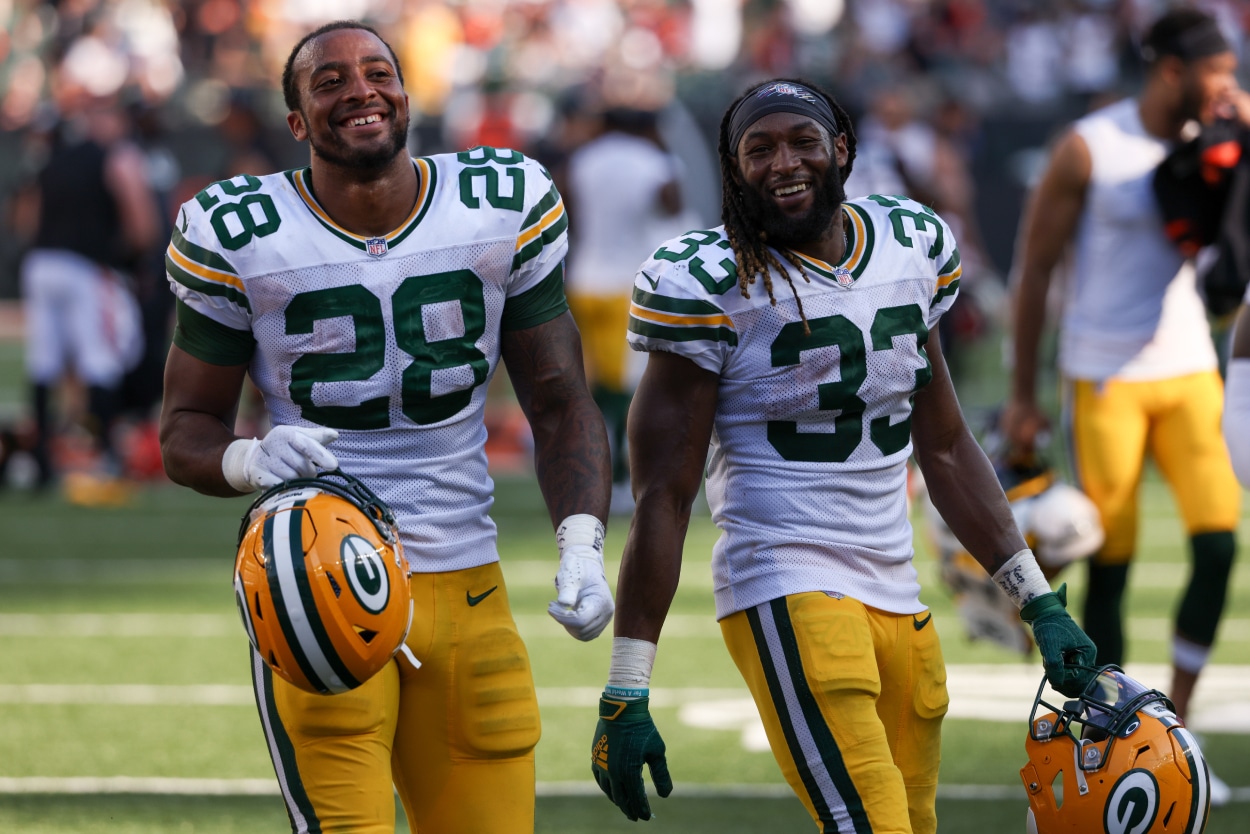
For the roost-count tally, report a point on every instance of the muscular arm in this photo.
(570, 442)
(1241, 336)
(1237, 399)
(127, 178)
(197, 416)
(1046, 230)
(670, 425)
(961, 482)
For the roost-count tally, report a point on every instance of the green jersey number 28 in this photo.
(418, 401)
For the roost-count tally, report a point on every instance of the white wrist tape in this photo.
(629, 676)
(1021, 579)
(580, 529)
(1237, 417)
(234, 463)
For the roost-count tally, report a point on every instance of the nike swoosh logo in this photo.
(919, 624)
(474, 600)
(654, 282)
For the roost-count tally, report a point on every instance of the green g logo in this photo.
(365, 572)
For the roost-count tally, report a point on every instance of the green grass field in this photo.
(125, 703)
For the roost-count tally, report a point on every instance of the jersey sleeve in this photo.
(213, 313)
(933, 238)
(675, 311)
(535, 291)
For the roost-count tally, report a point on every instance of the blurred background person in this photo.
(1136, 354)
(93, 217)
(619, 185)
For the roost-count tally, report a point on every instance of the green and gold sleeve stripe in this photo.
(544, 224)
(948, 278)
(426, 176)
(218, 279)
(679, 319)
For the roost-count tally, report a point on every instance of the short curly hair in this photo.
(290, 95)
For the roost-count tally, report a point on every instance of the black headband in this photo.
(780, 97)
(1202, 40)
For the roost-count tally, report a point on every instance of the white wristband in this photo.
(1021, 579)
(234, 464)
(629, 676)
(580, 529)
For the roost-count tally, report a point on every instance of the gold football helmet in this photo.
(322, 583)
(1115, 760)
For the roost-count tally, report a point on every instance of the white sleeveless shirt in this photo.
(1131, 306)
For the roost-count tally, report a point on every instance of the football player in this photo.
(795, 340)
(370, 297)
(1140, 373)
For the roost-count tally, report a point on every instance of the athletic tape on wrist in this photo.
(580, 529)
(1021, 579)
(234, 464)
(629, 676)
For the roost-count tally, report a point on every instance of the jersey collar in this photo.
(427, 173)
(858, 246)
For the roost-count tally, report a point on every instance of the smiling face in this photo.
(353, 109)
(791, 187)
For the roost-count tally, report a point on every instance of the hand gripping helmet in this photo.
(1115, 760)
(322, 583)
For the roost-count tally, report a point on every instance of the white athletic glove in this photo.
(583, 603)
(286, 452)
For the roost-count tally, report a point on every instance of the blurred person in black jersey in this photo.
(92, 216)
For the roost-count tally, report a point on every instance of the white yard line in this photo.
(268, 787)
(987, 692)
(519, 573)
(1232, 629)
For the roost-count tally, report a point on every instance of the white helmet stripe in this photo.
(301, 629)
(240, 595)
(1199, 780)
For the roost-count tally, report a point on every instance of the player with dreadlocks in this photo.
(807, 403)
(744, 211)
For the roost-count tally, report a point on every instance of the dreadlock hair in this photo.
(290, 95)
(750, 246)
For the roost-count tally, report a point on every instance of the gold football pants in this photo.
(1113, 425)
(455, 737)
(602, 321)
(852, 700)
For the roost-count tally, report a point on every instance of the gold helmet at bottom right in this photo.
(1115, 760)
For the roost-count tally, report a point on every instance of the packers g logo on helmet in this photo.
(1117, 760)
(321, 582)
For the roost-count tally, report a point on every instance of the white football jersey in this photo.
(391, 340)
(807, 474)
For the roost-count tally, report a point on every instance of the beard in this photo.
(787, 232)
(371, 158)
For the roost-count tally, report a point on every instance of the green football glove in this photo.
(625, 739)
(1067, 652)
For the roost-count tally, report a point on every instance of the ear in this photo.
(1171, 69)
(295, 121)
(840, 153)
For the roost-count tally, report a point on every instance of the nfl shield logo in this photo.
(843, 276)
(376, 246)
